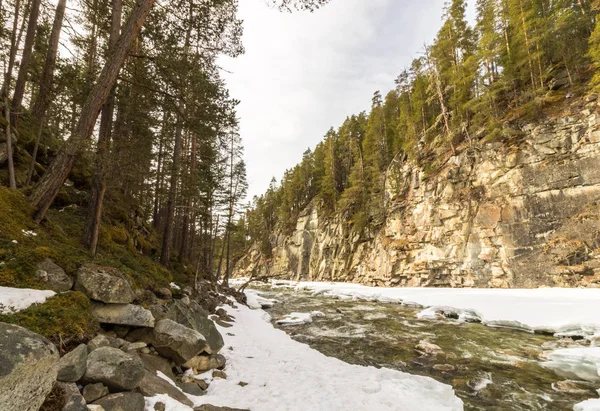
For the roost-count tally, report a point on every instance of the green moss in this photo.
(64, 318)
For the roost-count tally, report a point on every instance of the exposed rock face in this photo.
(104, 284)
(494, 216)
(53, 276)
(123, 314)
(71, 366)
(112, 367)
(28, 368)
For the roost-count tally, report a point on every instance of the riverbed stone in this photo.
(123, 314)
(118, 370)
(177, 342)
(123, 401)
(71, 366)
(53, 276)
(104, 284)
(28, 368)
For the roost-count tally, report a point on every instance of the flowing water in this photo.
(489, 368)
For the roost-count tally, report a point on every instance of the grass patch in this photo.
(64, 319)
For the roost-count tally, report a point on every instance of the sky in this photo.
(303, 73)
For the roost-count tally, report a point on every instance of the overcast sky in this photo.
(305, 72)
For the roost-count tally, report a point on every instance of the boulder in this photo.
(92, 392)
(71, 397)
(164, 293)
(205, 362)
(98, 342)
(195, 317)
(53, 277)
(123, 401)
(28, 368)
(177, 342)
(118, 370)
(104, 284)
(152, 385)
(71, 366)
(219, 374)
(154, 363)
(123, 314)
(191, 388)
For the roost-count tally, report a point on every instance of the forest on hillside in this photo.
(474, 84)
(118, 107)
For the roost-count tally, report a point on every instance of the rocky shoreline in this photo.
(147, 342)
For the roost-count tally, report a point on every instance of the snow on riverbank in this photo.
(561, 310)
(283, 374)
(17, 299)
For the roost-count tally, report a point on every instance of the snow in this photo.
(256, 301)
(17, 299)
(589, 405)
(581, 363)
(283, 374)
(561, 310)
(174, 286)
(299, 318)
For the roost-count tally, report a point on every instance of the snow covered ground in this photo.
(283, 374)
(17, 299)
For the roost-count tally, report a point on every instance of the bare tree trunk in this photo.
(165, 255)
(14, 45)
(25, 59)
(11, 167)
(50, 184)
(94, 213)
(158, 183)
(42, 102)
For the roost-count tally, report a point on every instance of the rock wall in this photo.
(494, 216)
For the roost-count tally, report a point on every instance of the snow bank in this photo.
(299, 318)
(283, 374)
(568, 310)
(17, 299)
(577, 363)
(589, 405)
(256, 301)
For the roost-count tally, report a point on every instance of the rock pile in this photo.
(122, 364)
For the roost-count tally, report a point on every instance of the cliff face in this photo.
(494, 216)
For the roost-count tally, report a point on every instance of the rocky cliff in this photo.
(495, 215)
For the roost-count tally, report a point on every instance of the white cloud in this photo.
(305, 72)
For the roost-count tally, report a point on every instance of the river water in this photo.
(489, 368)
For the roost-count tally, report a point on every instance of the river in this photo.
(489, 368)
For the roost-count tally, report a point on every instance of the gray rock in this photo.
(164, 293)
(95, 407)
(53, 277)
(118, 370)
(219, 374)
(123, 401)
(72, 399)
(28, 368)
(152, 385)
(154, 363)
(205, 362)
(191, 388)
(123, 314)
(92, 392)
(104, 284)
(135, 346)
(71, 366)
(195, 317)
(98, 342)
(177, 342)
(159, 406)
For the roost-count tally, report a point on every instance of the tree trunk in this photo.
(43, 100)
(25, 59)
(94, 212)
(50, 184)
(11, 167)
(14, 45)
(165, 255)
